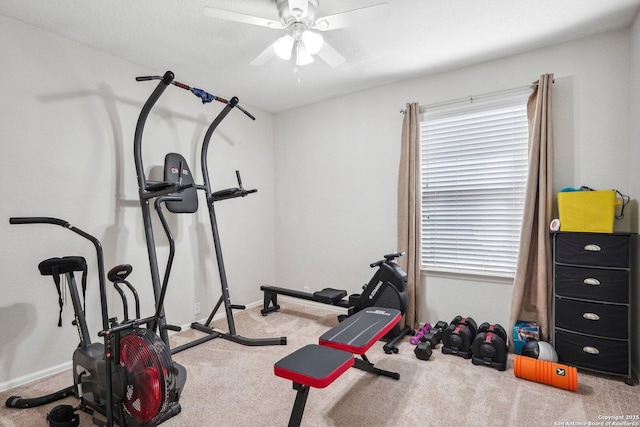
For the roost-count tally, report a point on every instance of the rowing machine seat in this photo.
(329, 295)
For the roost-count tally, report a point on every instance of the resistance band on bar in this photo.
(204, 96)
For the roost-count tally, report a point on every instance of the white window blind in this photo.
(474, 162)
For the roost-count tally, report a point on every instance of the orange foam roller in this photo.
(541, 371)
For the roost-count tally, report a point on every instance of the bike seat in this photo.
(68, 264)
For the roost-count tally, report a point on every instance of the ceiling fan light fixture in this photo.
(283, 47)
(312, 41)
(303, 57)
(298, 17)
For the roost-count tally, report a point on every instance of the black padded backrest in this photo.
(189, 202)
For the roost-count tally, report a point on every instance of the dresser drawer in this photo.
(604, 320)
(592, 353)
(592, 284)
(592, 249)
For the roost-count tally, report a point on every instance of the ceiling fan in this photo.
(299, 18)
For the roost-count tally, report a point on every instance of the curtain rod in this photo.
(471, 98)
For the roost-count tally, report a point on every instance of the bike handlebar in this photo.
(38, 220)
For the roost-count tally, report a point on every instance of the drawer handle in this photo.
(591, 316)
(592, 248)
(591, 281)
(590, 350)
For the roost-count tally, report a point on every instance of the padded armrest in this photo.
(158, 185)
(229, 193)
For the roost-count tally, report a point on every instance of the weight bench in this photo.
(319, 365)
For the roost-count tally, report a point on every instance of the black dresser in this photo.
(593, 280)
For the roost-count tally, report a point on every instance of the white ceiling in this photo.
(416, 38)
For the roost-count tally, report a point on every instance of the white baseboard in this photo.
(35, 376)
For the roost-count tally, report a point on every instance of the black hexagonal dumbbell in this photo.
(434, 336)
(423, 351)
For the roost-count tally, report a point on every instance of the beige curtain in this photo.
(409, 197)
(532, 286)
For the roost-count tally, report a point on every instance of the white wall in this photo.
(67, 120)
(337, 165)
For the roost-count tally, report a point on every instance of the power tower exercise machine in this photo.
(129, 378)
(178, 192)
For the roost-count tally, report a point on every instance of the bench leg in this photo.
(365, 365)
(298, 407)
(270, 303)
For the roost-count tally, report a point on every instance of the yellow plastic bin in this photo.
(592, 211)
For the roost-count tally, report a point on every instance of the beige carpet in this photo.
(233, 385)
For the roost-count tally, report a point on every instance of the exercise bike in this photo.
(129, 378)
(387, 288)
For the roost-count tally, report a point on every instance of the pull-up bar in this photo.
(205, 96)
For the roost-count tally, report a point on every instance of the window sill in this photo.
(469, 276)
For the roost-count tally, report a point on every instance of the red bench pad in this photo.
(357, 333)
(314, 365)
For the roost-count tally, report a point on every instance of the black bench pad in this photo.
(314, 365)
(356, 334)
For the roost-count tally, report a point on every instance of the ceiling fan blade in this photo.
(330, 55)
(265, 56)
(227, 15)
(351, 17)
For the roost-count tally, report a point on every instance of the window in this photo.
(474, 162)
